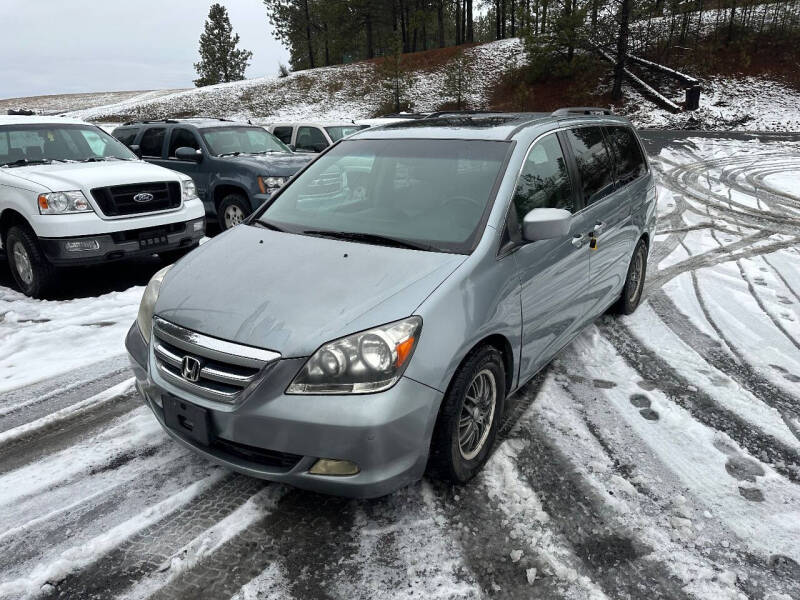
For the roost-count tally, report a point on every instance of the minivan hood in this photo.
(276, 165)
(292, 293)
(63, 177)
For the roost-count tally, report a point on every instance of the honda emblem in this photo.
(191, 369)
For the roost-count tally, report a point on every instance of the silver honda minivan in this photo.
(369, 321)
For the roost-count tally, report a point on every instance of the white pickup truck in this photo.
(70, 194)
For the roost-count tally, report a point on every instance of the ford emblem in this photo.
(143, 197)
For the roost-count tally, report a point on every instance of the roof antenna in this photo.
(249, 122)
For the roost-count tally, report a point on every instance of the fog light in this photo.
(198, 225)
(331, 466)
(81, 245)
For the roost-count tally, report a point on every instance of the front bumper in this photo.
(122, 244)
(274, 436)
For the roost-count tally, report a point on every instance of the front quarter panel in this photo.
(480, 299)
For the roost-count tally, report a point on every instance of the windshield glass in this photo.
(242, 140)
(338, 132)
(43, 143)
(432, 193)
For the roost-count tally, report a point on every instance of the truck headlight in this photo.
(365, 362)
(62, 203)
(148, 304)
(270, 185)
(189, 189)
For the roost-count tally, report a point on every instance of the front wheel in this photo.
(233, 209)
(32, 272)
(634, 281)
(470, 416)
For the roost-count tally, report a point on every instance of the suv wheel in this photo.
(470, 416)
(634, 282)
(232, 210)
(29, 267)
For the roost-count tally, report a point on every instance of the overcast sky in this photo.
(66, 46)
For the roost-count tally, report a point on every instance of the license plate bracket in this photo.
(153, 239)
(187, 419)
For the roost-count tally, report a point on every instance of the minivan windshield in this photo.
(31, 144)
(232, 141)
(426, 194)
(338, 132)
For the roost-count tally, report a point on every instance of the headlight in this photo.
(189, 190)
(370, 361)
(61, 203)
(148, 303)
(269, 185)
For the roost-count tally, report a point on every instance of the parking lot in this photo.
(659, 454)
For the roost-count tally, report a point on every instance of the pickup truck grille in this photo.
(208, 367)
(137, 198)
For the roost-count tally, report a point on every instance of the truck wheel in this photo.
(470, 416)
(634, 282)
(233, 209)
(31, 270)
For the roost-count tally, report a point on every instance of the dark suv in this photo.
(235, 166)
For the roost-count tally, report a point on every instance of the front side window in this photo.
(182, 138)
(432, 194)
(126, 136)
(152, 142)
(311, 139)
(284, 134)
(232, 141)
(544, 181)
(338, 132)
(24, 144)
(595, 166)
(630, 161)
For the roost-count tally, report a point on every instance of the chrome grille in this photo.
(209, 367)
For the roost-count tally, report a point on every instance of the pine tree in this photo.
(220, 59)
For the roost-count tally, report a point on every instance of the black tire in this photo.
(232, 208)
(634, 282)
(448, 459)
(172, 256)
(31, 270)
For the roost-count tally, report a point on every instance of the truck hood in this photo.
(292, 293)
(276, 165)
(63, 177)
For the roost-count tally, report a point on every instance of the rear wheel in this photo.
(634, 282)
(233, 209)
(469, 417)
(32, 272)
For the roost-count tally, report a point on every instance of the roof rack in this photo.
(144, 121)
(581, 110)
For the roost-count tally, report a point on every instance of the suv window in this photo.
(311, 138)
(152, 143)
(126, 136)
(594, 161)
(284, 134)
(182, 138)
(630, 162)
(544, 181)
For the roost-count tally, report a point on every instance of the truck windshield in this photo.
(338, 132)
(428, 194)
(22, 145)
(231, 141)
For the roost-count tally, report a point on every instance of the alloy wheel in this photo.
(22, 263)
(477, 414)
(233, 216)
(636, 276)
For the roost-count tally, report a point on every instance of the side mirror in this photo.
(136, 150)
(546, 223)
(186, 153)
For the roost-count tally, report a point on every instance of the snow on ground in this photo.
(657, 457)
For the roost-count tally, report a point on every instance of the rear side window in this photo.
(182, 138)
(311, 138)
(126, 136)
(630, 161)
(595, 166)
(152, 142)
(544, 181)
(284, 134)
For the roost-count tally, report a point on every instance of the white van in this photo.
(70, 194)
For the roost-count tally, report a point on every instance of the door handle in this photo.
(599, 227)
(579, 240)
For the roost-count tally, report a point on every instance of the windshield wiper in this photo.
(237, 153)
(267, 225)
(371, 238)
(24, 162)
